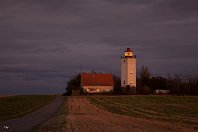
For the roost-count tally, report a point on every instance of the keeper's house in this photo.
(96, 83)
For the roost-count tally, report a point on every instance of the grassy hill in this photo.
(16, 106)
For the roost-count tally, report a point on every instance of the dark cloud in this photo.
(45, 42)
(136, 2)
(189, 7)
(178, 10)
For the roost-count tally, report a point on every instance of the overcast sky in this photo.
(45, 42)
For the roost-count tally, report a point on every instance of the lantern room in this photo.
(128, 53)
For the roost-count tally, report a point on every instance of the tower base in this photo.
(129, 90)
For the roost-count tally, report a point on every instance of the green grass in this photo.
(17, 106)
(178, 109)
(57, 123)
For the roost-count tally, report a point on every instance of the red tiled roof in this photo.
(89, 79)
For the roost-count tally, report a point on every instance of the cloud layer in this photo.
(43, 43)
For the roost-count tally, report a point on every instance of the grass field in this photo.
(57, 123)
(16, 106)
(178, 109)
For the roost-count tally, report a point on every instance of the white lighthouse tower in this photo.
(128, 69)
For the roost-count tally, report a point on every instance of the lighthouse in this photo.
(128, 69)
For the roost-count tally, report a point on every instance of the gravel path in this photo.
(85, 117)
(27, 122)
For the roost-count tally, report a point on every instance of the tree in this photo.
(144, 82)
(159, 82)
(117, 85)
(73, 84)
(145, 76)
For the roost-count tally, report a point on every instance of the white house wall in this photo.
(97, 89)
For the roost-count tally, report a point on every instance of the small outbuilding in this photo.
(75, 92)
(96, 82)
(162, 92)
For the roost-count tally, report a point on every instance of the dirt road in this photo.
(85, 117)
(27, 122)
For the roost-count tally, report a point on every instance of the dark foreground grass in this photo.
(177, 109)
(57, 123)
(17, 106)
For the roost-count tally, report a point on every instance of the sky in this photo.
(43, 43)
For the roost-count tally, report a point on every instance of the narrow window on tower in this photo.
(124, 82)
(130, 72)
